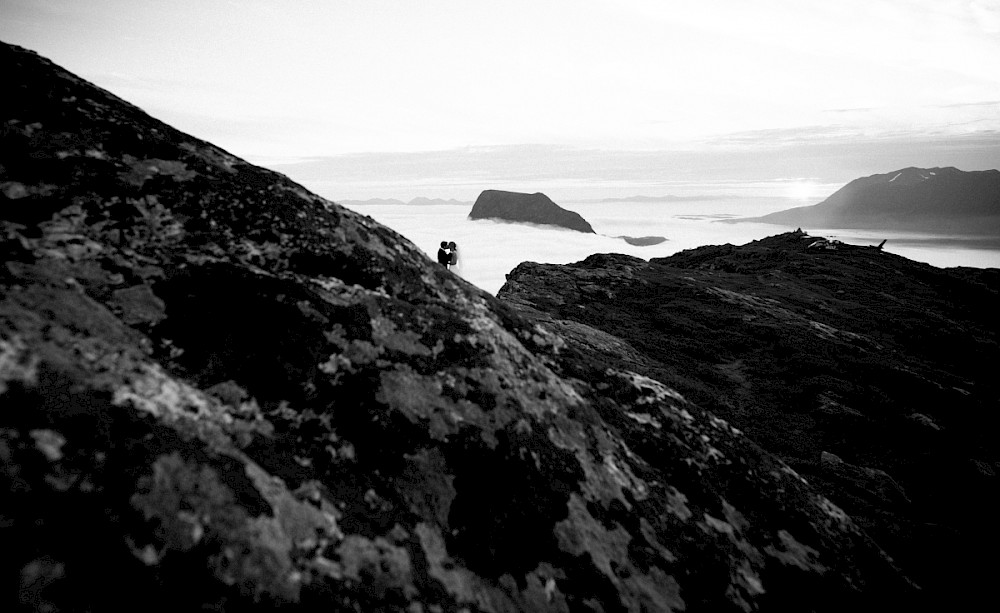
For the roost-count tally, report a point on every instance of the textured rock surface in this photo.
(222, 392)
(526, 208)
(938, 200)
(873, 376)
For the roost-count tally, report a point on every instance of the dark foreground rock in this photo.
(526, 208)
(873, 376)
(936, 200)
(222, 392)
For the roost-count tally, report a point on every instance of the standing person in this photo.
(454, 254)
(444, 258)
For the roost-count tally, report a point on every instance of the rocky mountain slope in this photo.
(940, 200)
(873, 376)
(223, 392)
(526, 208)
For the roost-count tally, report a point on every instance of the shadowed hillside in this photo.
(873, 376)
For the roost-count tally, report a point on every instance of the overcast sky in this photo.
(270, 79)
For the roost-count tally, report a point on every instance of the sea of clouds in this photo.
(491, 249)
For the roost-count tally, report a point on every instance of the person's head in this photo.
(444, 244)
(452, 245)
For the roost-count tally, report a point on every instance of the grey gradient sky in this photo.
(276, 81)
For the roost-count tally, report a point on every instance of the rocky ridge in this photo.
(870, 374)
(222, 391)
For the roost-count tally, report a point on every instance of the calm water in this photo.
(489, 250)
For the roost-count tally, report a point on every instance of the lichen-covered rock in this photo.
(870, 374)
(220, 391)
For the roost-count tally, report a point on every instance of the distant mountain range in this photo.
(416, 201)
(912, 199)
(666, 198)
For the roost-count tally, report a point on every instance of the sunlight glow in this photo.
(805, 190)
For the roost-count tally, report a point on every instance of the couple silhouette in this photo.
(448, 254)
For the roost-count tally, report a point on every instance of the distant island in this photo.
(420, 201)
(534, 208)
(940, 200)
(665, 198)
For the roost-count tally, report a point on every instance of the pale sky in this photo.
(272, 80)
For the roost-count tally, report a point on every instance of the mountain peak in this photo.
(912, 175)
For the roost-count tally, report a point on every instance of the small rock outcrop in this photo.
(526, 208)
(870, 374)
(937, 200)
(643, 241)
(222, 392)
